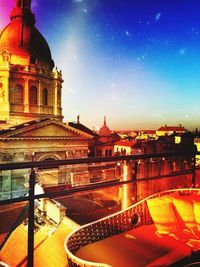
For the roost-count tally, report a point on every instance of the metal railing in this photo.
(133, 160)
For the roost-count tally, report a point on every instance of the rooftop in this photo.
(172, 128)
(82, 128)
(49, 237)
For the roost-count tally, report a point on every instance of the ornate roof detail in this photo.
(56, 130)
(104, 131)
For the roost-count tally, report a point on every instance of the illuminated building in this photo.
(44, 137)
(29, 86)
(126, 147)
(104, 142)
(168, 130)
(31, 126)
(30, 97)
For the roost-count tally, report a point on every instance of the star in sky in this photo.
(77, 1)
(182, 51)
(158, 15)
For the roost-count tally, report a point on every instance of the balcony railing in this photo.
(130, 178)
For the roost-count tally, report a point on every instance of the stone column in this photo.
(55, 100)
(5, 81)
(26, 96)
(39, 97)
(5, 101)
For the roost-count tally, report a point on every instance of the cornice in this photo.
(42, 138)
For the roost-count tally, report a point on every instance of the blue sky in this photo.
(135, 61)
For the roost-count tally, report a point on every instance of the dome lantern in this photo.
(22, 10)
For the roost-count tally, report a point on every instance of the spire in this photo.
(78, 119)
(104, 123)
(22, 10)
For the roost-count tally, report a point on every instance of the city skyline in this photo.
(135, 62)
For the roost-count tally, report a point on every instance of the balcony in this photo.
(43, 202)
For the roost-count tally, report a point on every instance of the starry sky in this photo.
(135, 61)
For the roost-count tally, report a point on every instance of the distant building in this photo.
(104, 142)
(125, 147)
(168, 130)
(127, 134)
(146, 134)
(197, 143)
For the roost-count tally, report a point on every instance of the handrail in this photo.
(94, 186)
(56, 163)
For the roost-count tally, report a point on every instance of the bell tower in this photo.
(30, 87)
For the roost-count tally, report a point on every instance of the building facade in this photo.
(30, 88)
(31, 120)
(30, 96)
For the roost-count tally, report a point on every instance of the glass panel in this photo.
(150, 187)
(80, 174)
(87, 206)
(14, 183)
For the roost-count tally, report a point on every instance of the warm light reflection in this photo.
(125, 187)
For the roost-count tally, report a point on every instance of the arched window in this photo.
(33, 95)
(106, 152)
(18, 94)
(45, 97)
(110, 153)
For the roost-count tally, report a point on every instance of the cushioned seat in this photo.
(139, 247)
(172, 240)
(177, 216)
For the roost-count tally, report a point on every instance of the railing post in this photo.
(31, 219)
(194, 171)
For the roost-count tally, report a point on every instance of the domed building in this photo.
(104, 142)
(104, 130)
(31, 126)
(29, 87)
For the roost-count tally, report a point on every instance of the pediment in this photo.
(49, 129)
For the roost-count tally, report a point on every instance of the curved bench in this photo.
(130, 238)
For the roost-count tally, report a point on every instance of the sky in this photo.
(137, 62)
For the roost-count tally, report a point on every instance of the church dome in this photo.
(21, 38)
(104, 131)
